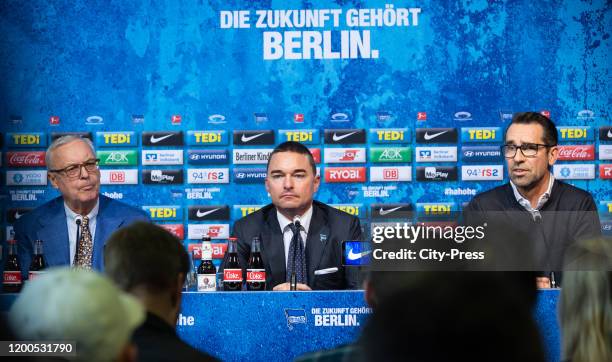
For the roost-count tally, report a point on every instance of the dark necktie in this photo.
(84, 247)
(297, 248)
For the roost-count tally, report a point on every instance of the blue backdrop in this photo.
(377, 75)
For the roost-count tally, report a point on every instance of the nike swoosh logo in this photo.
(18, 215)
(339, 138)
(355, 256)
(385, 212)
(244, 137)
(155, 140)
(428, 136)
(202, 214)
(609, 133)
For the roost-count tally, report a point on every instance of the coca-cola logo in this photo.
(26, 159)
(12, 277)
(232, 275)
(256, 276)
(577, 152)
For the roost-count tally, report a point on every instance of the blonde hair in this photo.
(585, 307)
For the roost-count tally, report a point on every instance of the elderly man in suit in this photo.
(75, 225)
(299, 237)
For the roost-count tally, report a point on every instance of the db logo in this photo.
(421, 116)
(349, 155)
(390, 174)
(117, 176)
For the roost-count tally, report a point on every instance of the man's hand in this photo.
(543, 282)
(287, 286)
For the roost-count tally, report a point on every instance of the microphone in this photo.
(293, 278)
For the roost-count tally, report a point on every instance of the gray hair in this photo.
(62, 141)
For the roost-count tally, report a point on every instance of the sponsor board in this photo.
(436, 135)
(436, 173)
(254, 137)
(389, 135)
(344, 136)
(208, 212)
(25, 159)
(215, 231)
(26, 178)
(576, 152)
(481, 154)
(207, 157)
(481, 134)
(344, 155)
(390, 154)
(303, 136)
(13, 215)
(250, 175)
(116, 139)
(177, 230)
(164, 212)
(605, 133)
(436, 154)
(162, 157)
(117, 157)
(162, 177)
(240, 211)
(208, 175)
(391, 211)
(214, 138)
(245, 156)
(351, 209)
(435, 209)
(119, 177)
(605, 152)
(574, 171)
(575, 133)
(605, 209)
(390, 173)
(162, 138)
(482, 173)
(345, 174)
(31, 139)
(605, 171)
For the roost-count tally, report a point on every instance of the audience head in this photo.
(81, 306)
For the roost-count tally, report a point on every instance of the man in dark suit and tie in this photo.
(75, 225)
(300, 237)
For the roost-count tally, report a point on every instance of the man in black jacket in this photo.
(314, 252)
(551, 214)
(151, 264)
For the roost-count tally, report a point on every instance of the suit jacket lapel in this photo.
(274, 247)
(106, 224)
(316, 240)
(54, 234)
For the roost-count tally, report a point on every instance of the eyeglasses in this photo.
(74, 171)
(527, 149)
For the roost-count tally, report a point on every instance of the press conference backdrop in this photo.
(403, 104)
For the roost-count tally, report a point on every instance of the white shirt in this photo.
(71, 217)
(535, 212)
(288, 234)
